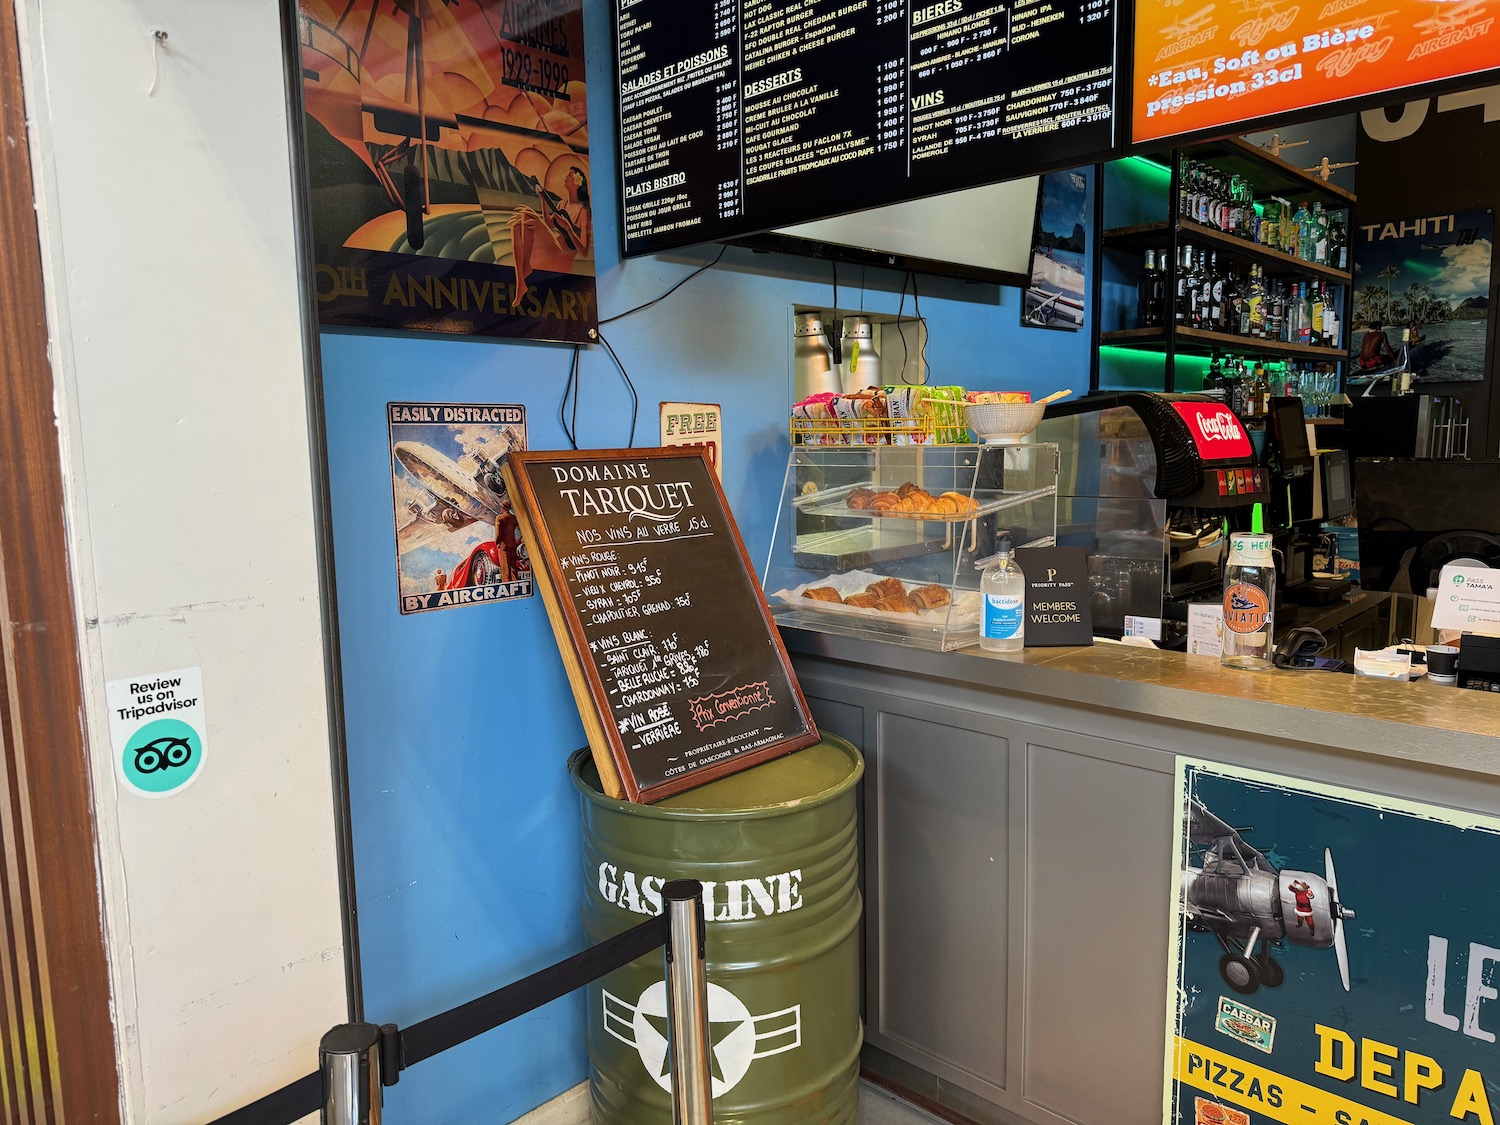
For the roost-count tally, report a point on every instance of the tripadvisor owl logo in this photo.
(735, 1037)
(162, 756)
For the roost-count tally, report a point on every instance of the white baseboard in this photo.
(571, 1107)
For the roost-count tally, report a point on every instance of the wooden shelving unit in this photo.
(1147, 236)
(1270, 176)
(1199, 341)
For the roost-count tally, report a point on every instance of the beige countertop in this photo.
(1419, 721)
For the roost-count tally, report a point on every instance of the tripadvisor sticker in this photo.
(156, 729)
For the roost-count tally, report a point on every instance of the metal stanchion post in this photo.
(349, 1057)
(687, 1004)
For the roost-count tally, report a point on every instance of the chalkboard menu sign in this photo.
(678, 672)
(741, 115)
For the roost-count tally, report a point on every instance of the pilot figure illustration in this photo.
(1303, 908)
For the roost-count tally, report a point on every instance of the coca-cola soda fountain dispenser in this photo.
(1187, 450)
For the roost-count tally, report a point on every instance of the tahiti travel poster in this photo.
(1424, 281)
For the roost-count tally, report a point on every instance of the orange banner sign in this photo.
(1209, 65)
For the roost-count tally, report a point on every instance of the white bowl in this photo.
(1003, 423)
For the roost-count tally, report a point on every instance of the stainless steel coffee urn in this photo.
(813, 370)
(861, 367)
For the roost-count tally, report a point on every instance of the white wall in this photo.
(167, 228)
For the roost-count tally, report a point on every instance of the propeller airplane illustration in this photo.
(1243, 900)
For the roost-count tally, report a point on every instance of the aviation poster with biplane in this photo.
(457, 538)
(448, 160)
(1336, 957)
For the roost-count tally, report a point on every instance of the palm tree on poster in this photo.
(1371, 305)
(1389, 274)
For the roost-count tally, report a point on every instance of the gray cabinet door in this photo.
(1018, 884)
(1096, 903)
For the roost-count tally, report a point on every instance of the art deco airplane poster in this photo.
(448, 161)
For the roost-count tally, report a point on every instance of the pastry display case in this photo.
(889, 541)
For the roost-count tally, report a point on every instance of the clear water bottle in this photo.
(1003, 588)
(1249, 598)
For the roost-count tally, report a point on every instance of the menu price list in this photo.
(745, 114)
(651, 569)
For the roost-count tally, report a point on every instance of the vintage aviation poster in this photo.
(448, 158)
(1336, 957)
(457, 538)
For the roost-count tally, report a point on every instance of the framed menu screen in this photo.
(741, 115)
(1211, 66)
(678, 672)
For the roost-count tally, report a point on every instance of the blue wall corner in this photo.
(460, 721)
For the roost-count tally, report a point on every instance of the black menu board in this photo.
(740, 115)
(679, 674)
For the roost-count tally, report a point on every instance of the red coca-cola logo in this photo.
(1215, 431)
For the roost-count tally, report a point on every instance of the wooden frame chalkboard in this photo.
(679, 673)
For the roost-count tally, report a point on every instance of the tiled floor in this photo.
(878, 1107)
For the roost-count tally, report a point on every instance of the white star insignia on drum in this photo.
(736, 1038)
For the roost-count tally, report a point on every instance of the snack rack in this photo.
(936, 556)
(895, 416)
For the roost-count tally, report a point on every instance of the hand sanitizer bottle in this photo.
(1003, 588)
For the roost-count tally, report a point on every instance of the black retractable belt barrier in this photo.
(400, 1049)
(290, 1103)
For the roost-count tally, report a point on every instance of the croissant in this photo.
(822, 594)
(965, 503)
(886, 588)
(944, 505)
(930, 597)
(906, 490)
(885, 502)
(860, 498)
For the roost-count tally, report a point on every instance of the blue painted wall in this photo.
(460, 721)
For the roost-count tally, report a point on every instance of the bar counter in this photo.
(1421, 721)
(1017, 859)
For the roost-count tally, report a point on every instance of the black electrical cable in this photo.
(901, 325)
(916, 306)
(635, 399)
(669, 292)
(836, 323)
(570, 388)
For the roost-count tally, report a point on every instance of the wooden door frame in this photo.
(58, 1058)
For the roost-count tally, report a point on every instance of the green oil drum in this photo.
(775, 848)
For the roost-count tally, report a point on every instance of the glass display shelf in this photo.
(889, 542)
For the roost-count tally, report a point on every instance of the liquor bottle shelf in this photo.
(1149, 236)
(1270, 175)
(1200, 341)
